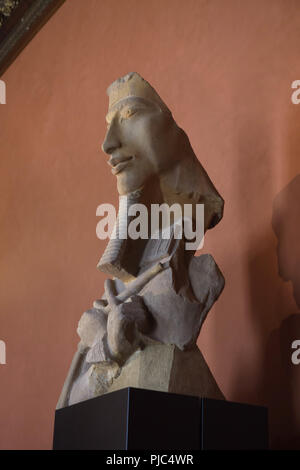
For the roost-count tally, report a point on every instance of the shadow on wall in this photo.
(283, 385)
(286, 225)
(277, 383)
(281, 375)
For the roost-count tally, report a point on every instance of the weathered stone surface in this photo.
(166, 368)
(95, 381)
(89, 324)
(157, 367)
(143, 331)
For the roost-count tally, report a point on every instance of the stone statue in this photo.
(143, 331)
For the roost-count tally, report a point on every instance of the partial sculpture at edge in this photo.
(143, 331)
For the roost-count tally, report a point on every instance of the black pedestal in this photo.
(136, 419)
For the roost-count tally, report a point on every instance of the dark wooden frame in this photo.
(23, 24)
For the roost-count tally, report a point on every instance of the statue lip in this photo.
(118, 164)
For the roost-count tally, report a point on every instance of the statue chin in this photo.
(127, 184)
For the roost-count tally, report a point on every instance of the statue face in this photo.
(141, 141)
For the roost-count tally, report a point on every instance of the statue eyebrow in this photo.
(128, 103)
(132, 106)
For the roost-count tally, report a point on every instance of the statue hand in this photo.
(125, 322)
(92, 324)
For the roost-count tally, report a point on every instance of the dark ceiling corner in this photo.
(20, 20)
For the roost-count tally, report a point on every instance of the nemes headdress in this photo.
(133, 85)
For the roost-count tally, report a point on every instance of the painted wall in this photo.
(225, 69)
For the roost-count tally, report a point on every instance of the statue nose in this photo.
(111, 141)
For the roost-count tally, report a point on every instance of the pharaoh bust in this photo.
(143, 331)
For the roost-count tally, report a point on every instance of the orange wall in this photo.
(225, 69)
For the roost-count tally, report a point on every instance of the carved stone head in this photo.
(153, 161)
(145, 144)
(142, 137)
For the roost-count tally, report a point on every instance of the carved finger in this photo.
(109, 292)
